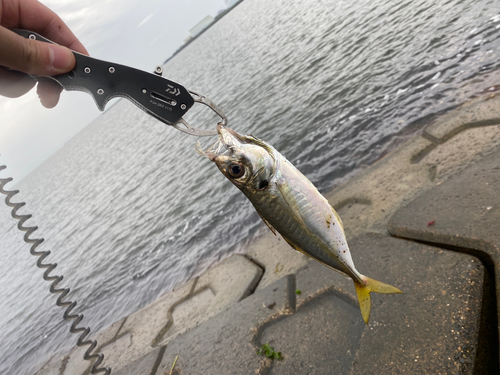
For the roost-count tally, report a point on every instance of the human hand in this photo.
(31, 56)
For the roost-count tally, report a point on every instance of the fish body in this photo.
(291, 205)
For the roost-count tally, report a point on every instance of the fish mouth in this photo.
(228, 137)
(227, 144)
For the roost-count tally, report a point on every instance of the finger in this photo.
(33, 15)
(48, 91)
(34, 57)
(14, 84)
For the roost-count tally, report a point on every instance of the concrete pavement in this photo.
(438, 193)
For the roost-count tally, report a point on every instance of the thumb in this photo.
(33, 57)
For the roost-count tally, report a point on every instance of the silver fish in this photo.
(291, 205)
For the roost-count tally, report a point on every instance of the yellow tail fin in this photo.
(364, 291)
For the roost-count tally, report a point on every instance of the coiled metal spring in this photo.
(49, 267)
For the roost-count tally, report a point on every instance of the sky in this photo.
(138, 33)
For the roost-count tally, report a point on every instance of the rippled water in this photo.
(129, 209)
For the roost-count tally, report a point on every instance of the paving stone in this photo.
(218, 288)
(321, 338)
(230, 281)
(137, 336)
(431, 328)
(435, 324)
(54, 366)
(482, 111)
(109, 334)
(75, 362)
(367, 201)
(118, 352)
(76, 365)
(276, 257)
(146, 365)
(414, 333)
(185, 307)
(227, 343)
(461, 150)
(463, 212)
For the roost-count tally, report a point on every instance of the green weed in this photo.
(269, 352)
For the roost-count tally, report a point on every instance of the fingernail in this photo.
(61, 59)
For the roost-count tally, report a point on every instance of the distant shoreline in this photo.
(217, 18)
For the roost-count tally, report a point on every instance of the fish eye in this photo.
(235, 170)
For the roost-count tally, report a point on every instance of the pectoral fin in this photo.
(267, 223)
